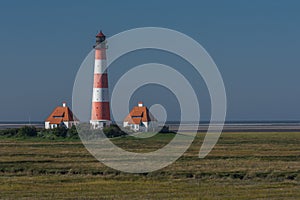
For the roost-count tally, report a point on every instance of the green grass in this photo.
(241, 166)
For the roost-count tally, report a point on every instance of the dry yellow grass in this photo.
(241, 166)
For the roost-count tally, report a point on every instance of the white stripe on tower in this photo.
(100, 116)
(100, 95)
(99, 66)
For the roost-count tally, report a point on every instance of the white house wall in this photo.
(47, 125)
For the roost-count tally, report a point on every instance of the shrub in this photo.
(60, 131)
(72, 133)
(27, 131)
(47, 135)
(9, 132)
(113, 131)
(165, 129)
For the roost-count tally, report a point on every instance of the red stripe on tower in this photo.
(100, 116)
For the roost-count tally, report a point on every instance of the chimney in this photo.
(64, 104)
(140, 104)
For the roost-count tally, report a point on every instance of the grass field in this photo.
(241, 166)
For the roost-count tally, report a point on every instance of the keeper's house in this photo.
(140, 119)
(61, 116)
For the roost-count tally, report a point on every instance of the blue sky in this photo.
(255, 45)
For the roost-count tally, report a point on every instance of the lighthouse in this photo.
(100, 115)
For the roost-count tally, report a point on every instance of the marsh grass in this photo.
(241, 166)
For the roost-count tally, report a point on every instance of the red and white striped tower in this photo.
(100, 116)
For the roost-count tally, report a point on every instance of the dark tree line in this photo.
(63, 132)
(59, 132)
(31, 131)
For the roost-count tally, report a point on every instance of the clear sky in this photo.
(255, 45)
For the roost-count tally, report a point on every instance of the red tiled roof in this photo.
(100, 34)
(56, 121)
(134, 120)
(61, 114)
(138, 115)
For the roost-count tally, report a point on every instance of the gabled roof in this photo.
(61, 114)
(138, 115)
